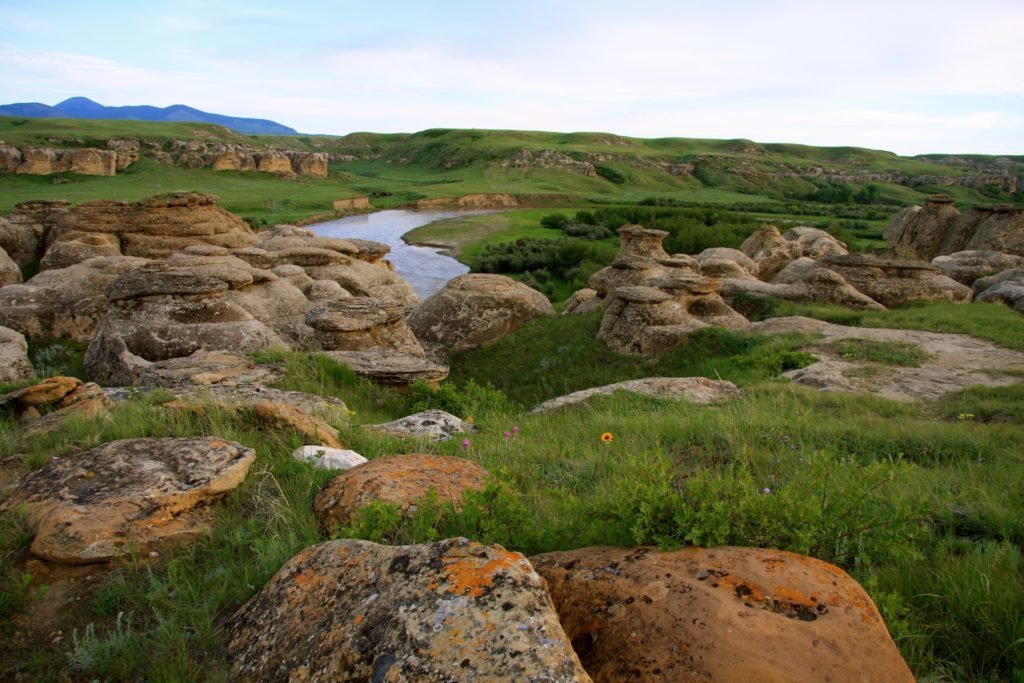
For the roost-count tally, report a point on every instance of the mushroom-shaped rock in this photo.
(698, 390)
(892, 282)
(476, 309)
(363, 324)
(14, 362)
(429, 425)
(731, 614)
(389, 367)
(921, 233)
(102, 503)
(967, 266)
(356, 611)
(638, 241)
(399, 479)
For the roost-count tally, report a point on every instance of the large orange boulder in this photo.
(722, 614)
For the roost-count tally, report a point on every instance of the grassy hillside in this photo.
(397, 169)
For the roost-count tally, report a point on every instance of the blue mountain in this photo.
(84, 108)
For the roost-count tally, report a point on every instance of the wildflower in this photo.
(506, 435)
(465, 444)
(964, 417)
(515, 430)
(468, 420)
(607, 437)
(766, 490)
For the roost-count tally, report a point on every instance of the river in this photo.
(426, 269)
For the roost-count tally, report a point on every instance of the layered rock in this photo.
(402, 480)
(732, 614)
(363, 324)
(967, 266)
(66, 302)
(1006, 287)
(87, 161)
(801, 280)
(939, 228)
(448, 611)
(650, 320)
(102, 503)
(773, 251)
(476, 309)
(893, 282)
(640, 260)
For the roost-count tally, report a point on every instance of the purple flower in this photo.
(515, 430)
(465, 444)
(506, 434)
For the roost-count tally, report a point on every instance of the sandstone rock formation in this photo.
(363, 324)
(27, 401)
(85, 399)
(449, 611)
(352, 204)
(14, 362)
(1006, 287)
(583, 301)
(476, 309)
(102, 503)
(429, 425)
(87, 161)
(938, 229)
(892, 282)
(698, 390)
(399, 479)
(21, 238)
(801, 280)
(10, 273)
(967, 266)
(730, 614)
(391, 367)
(66, 302)
(281, 416)
(773, 251)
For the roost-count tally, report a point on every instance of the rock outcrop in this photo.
(352, 203)
(698, 390)
(476, 309)
(363, 324)
(967, 266)
(10, 273)
(1006, 287)
(939, 228)
(399, 479)
(86, 161)
(429, 425)
(14, 362)
(730, 614)
(772, 251)
(449, 611)
(893, 282)
(801, 280)
(102, 503)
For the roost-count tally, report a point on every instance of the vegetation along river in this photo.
(426, 269)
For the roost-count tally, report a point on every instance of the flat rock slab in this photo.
(101, 503)
(206, 368)
(283, 416)
(955, 361)
(357, 611)
(699, 390)
(324, 458)
(398, 479)
(391, 367)
(429, 425)
(722, 614)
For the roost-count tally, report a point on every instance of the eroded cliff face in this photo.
(120, 154)
(939, 228)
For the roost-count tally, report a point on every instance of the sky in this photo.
(907, 76)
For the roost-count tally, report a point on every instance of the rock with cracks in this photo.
(356, 611)
(127, 495)
(698, 390)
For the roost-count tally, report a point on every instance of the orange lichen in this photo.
(467, 577)
(792, 595)
(359, 619)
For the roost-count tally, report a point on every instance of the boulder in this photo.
(921, 232)
(1006, 287)
(802, 280)
(324, 458)
(45, 394)
(361, 278)
(582, 302)
(698, 390)
(814, 243)
(10, 273)
(356, 611)
(770, 250)
(967, 266)
(892, 282)
(723, 262)
(14, 363)
(75, 247)
(995, 228)
(21, 239)
(282, 416)
(476, 309)
(127, 495)
(429, 425)
(66, 302)
(399, 479)
(86, 399)
(277, 163)
(729, 614)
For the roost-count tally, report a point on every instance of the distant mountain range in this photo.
(84, 108)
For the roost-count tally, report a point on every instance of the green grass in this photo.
(884, 353)
(465, 237)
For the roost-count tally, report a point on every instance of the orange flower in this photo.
(607, 437)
